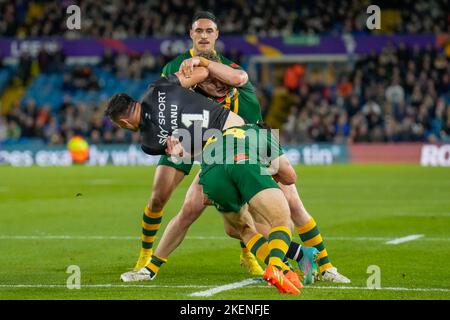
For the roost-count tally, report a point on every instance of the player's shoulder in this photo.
(228, 62)
(181, 57)
(248, 86)
(165, 80)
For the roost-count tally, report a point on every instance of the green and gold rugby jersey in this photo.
(242, 100)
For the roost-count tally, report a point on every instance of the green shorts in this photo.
(184, 167)
(242, 173)
(249, 141)
(270, 144)
(230, 186)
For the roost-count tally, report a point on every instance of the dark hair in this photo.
(118, 105)
(205, 15)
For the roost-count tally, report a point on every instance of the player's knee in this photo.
(190, 212)
(157, 202)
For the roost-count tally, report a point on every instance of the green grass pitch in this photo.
(45, 227)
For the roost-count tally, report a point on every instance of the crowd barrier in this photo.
(306, 154)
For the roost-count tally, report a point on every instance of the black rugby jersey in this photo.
(169, 109)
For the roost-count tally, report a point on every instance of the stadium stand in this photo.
(121, 19)
(398, 95)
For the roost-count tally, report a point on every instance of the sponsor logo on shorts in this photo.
(240, 157)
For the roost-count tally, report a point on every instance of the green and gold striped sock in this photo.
(310, 235)
(279, 241)
(244, 248)
(259, 246)
(151, 222)
(155, 264)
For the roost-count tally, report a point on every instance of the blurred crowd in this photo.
(134, 65)
(39, 124)
(398, 95)
(28, 121)
(121, 19)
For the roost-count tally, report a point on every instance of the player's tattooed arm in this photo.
(222, 72)
(198, 75)
(226, 74)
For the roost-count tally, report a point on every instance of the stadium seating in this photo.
(48, 89)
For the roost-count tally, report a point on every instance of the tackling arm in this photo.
(198, 75)
(224, 73)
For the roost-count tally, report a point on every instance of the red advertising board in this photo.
(385, 153)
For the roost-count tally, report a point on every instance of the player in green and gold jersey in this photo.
(204, 33)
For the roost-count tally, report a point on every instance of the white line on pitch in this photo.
(356, 238)
(69, 237)
(213, 291)
(227, 287)
(378, 239)
(365, 288)
(405, 239)
(230, 286)
(102, 286)
(66, 237)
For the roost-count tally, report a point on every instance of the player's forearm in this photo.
(198, 75)
(226, 74)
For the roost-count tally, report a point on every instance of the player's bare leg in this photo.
(270, 205)
(307, 229)
(247, 259)
(177, 228)
(304, 224)
(175, 233)
(165, 182)
(242, 223)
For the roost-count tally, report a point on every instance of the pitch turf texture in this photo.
(51, 218)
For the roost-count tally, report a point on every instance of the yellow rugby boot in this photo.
(144, 259)
(249, 262)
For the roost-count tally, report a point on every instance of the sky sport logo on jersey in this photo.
(162, 117)
(231, 146)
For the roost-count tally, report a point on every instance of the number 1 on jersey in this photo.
(188, 118)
